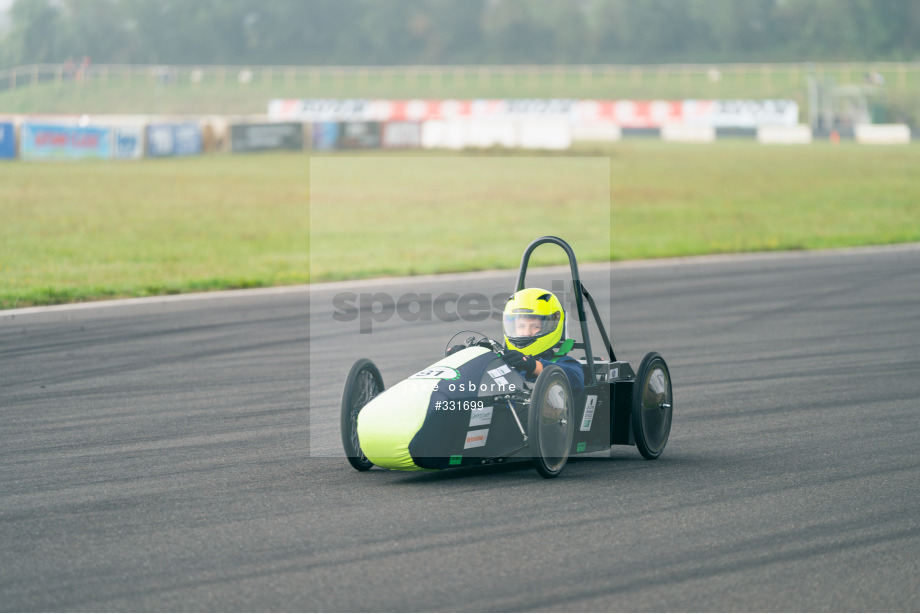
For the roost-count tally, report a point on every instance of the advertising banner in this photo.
(325, 135)
(628, 114)
(368, 110)
(160, 141)
(320, 109)
(57, 142)
(266, 137)
(7, 141)
(128, 142)
(165, 140)
(492, 109)
(419, 110)
(359, 135)
(536, 108)
(740, 113)
(402, 135)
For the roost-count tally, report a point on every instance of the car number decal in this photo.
(437, 373)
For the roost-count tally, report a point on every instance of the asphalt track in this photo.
(161, 455)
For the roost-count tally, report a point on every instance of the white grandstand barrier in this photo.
(882, 134)
(554, 135)
(484, 134)
(442, 134)
(784, 135)
(604, 132)
(682, 133)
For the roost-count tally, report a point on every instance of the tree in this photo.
(36, 33)
(359, 32)
(95, 29)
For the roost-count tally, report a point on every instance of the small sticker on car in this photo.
(481, 417)
(499, 371)
(590, 404)
(476, 439)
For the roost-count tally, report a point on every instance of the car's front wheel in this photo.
(363, 383)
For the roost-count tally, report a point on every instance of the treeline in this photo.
(396, 32)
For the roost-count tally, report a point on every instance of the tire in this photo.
(652, 406)
(363, 383)
(551, 422)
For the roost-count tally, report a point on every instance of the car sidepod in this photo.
(443, 416)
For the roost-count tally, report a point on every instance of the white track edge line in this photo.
(387, 281)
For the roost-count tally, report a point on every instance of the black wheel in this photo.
(652, 406)
(551, 422)
(363, 383)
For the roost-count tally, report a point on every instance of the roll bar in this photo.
(580, 294)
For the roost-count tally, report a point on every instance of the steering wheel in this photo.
(476, 338)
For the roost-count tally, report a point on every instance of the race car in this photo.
(471, 408)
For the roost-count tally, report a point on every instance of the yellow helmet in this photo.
(534, 321)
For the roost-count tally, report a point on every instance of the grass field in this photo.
(93, 230)
(218, 90)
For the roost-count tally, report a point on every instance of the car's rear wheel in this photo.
(652, 406)
(363, 383)
(551, 422)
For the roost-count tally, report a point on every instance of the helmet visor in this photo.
(522, 326)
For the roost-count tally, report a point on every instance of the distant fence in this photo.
(759, 77)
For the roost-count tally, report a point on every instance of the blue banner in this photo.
(56, 142)
(165, 140)
(325, 135)
(7, 141)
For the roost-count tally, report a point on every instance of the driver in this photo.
(534, 324)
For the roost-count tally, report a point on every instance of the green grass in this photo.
(739, 196)
(93, 230)
(219, 91)
(438, 214)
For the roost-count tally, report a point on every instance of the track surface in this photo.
(158, 456)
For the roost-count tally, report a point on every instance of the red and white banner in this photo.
(630, 113)
(623, 113)
(418, 110)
